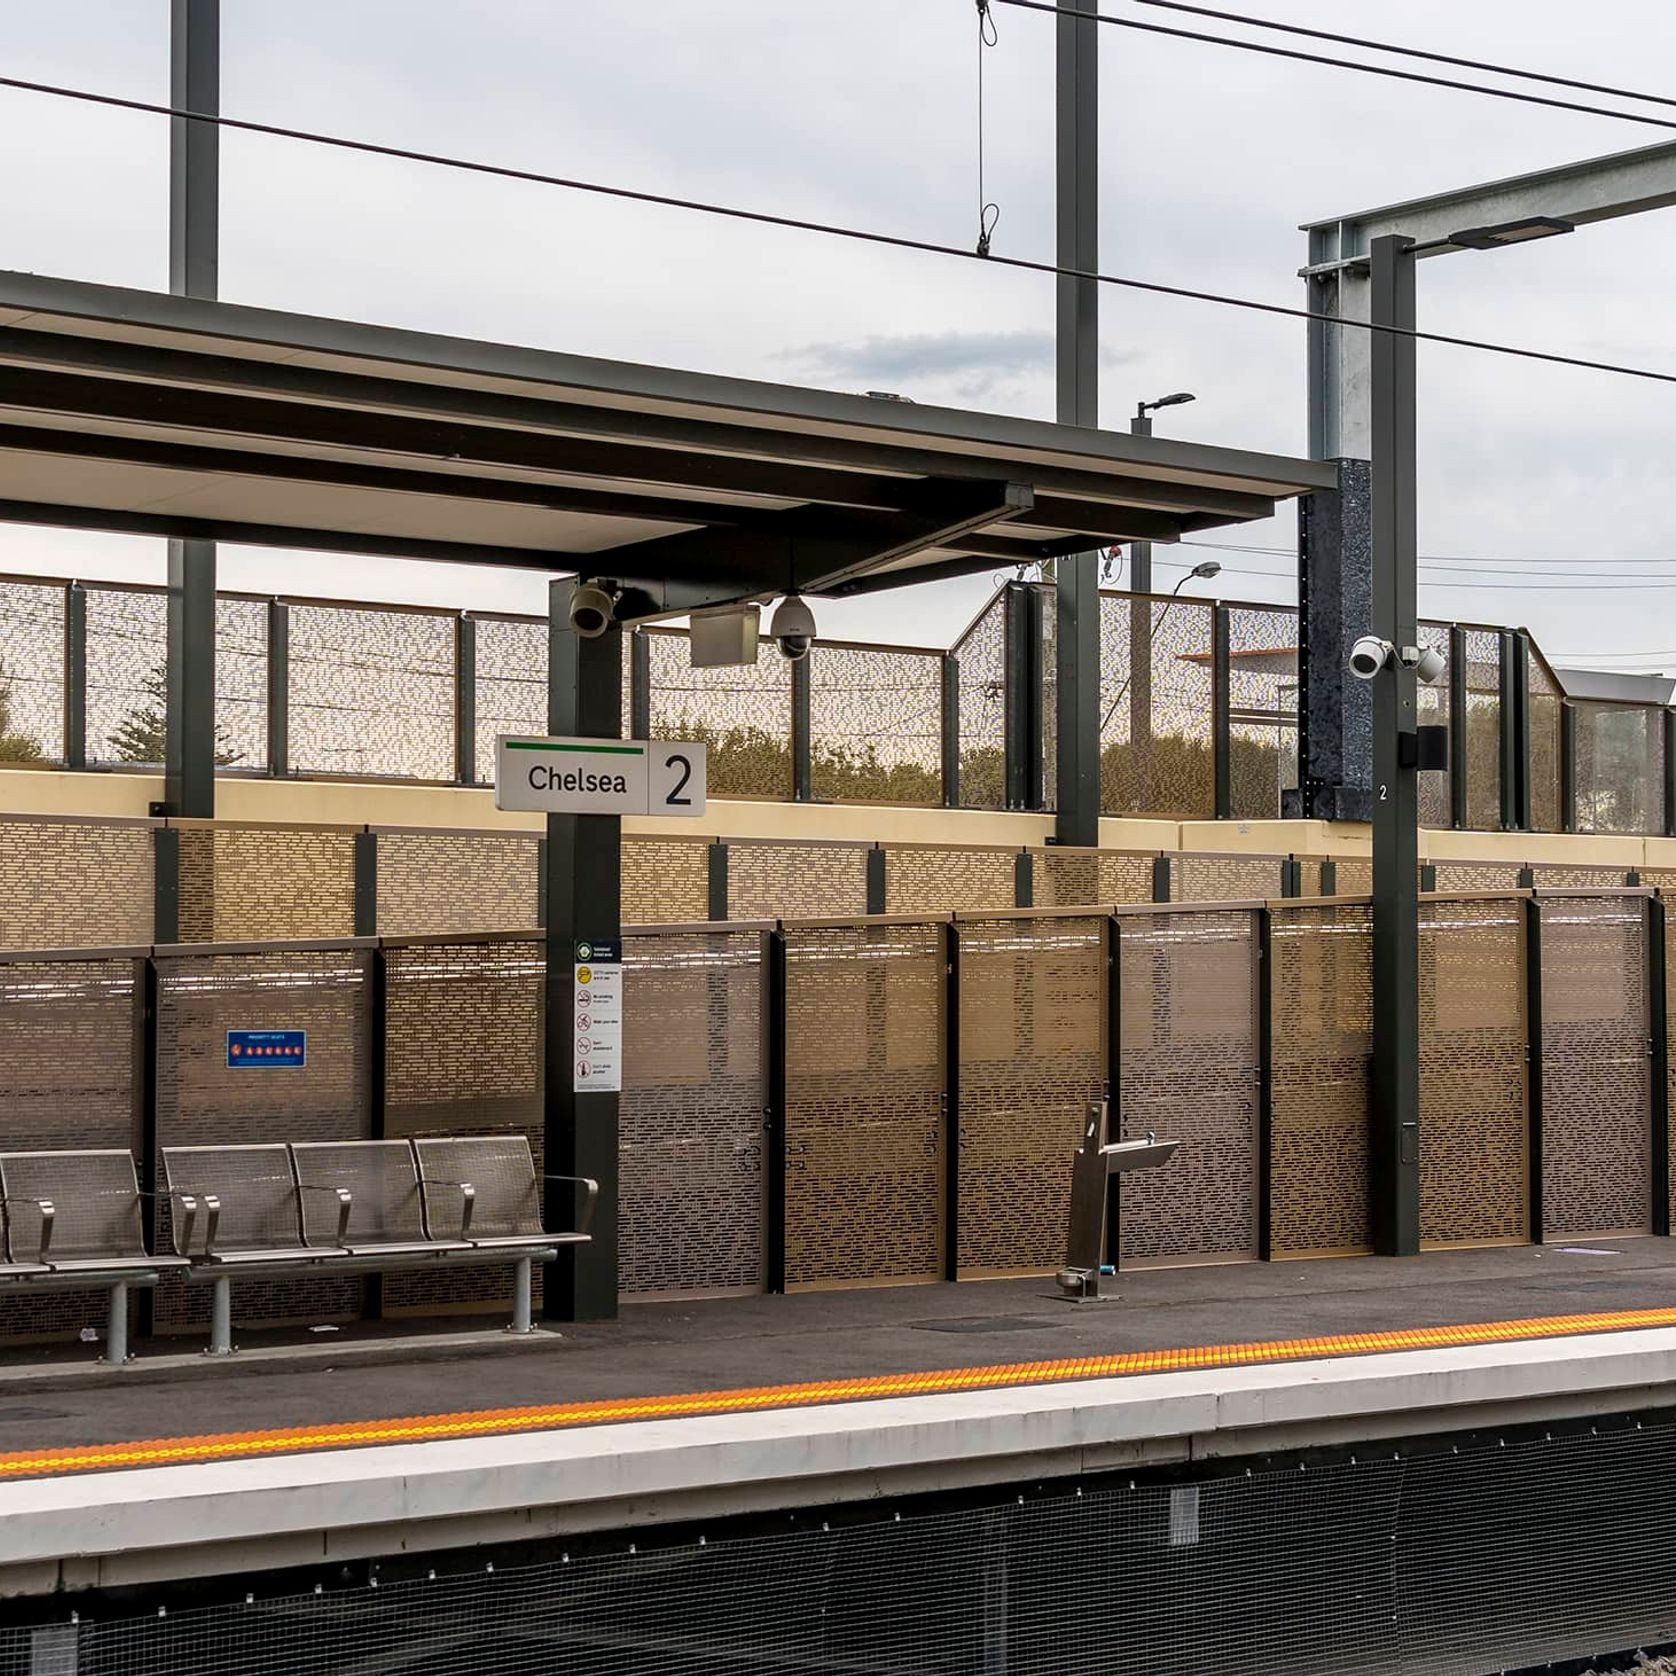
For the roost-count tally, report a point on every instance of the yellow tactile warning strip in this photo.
(485, 1422)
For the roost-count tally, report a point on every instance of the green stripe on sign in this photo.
(586, 750)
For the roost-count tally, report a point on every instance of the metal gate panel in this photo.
(1032, 1056)
(1321, 999)
(866, 1119)
(1189, 1071)
(693, 1181)
(1474, 1115)
(1596, 1095)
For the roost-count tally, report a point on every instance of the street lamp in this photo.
(1140, 552)
(1203, 571)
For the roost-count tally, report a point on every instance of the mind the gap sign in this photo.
(601, 776)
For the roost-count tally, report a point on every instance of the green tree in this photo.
(142, 735)
(15, 746)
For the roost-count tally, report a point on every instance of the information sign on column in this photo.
(598, 1035)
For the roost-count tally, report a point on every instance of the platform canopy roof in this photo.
(134, 411)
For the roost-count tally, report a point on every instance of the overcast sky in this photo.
(865, 113)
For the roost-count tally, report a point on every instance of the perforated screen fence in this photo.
(1189, 1072)
(742, 712)
(1262, 709)
(1596, 1107)
(1067, 878)
(201, 1099)
(1225, 878)
(31, 672)
(241, 683)
(665, 881)
(866, 1118)
(127, 675)
(1477, 875)
(1474, 1123)
(1451, 1557)
(372, 692)
(875, 725)
(1483, 730)
(1048, 698)
(1431, 709)
(1544, 701)
(1156, 740)
(443, 882)
(981, 656)
(1032, 1057)
(1322, 1000)
(693, 1180)
(511, 688)
(923, 880)
(75, 884)
(1620, 768)
(246, 884)
(782, 881)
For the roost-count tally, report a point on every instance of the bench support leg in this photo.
(221, 1316)
(521, 1297)
(116, 1329)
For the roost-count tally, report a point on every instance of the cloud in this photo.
(972, 362)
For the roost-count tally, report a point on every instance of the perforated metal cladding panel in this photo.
(1432, 710)
(201, 1101)
(1596, 1117)
(665, 881)
(1187, 1059)
(693, 1155)
(439, 883)
(511, 684)
(263, 884)
(1156, 753)
(865, 1119)
(928, 881)
(790, 881)
(1474, 1123)
(127, 671)
(1097, 878)
(372, 693)
(742, 712)
(875, 725)
(241, 683)
(981, 656)
(1032, 1058)
(74, 884)
(1048, 697)
(1262, 709)
(1543, 702)
(1483, 725)
(31, 672)
(1551, 876)
(1321, 995)
(1224, 878)
(1475, 875)
(1620, 768)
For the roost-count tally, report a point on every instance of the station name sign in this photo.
(601, 776)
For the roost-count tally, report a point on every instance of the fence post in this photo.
(1658, 1054)
(1508, 715)
(1222, 744)
(165, 884)
(1024, 880)
(1522, 730)
(1457, 727)
(1035, 742)
(1114, 1077)
(950, 717)
(640, 685)
(1533, 1057)
(802, 761)
(75, 676)
(1428, 875)
(716, 857)
(145, 1118)
(366, 883)
(1292, 876)
(279, 688)
(378, 1047)
(1329, 878)
(1568, 766)
(1161, 878)
(774, 1106)
(465, 699)
(951, 1101)
(876, 864)
(1265, 1075)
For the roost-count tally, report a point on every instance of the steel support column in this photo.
(1658, 1046)
(584, 894)
(1077, 603)
(1222, 741)
(1507, 713)
(465, 700)
(1533, 1060)
(1395, 1139)
(1568, 766)
(949, 713)
(75, 676)
(194, 215)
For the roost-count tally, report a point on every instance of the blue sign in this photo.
(267, 1050)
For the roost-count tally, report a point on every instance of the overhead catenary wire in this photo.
(894, 241)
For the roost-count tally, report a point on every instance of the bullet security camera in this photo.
(1369, 655)
(592, 610)
(793, 627)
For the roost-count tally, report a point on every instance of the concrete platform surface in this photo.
(959, 1337)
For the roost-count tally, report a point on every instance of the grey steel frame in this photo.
(1097, 1160)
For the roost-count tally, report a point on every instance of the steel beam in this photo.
(583, 862)
(1395, 1149)
(189, 733)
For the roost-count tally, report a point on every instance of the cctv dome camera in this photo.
(793, 627)
(793, 646)
(1369, 655)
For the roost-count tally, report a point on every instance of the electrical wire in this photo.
(895, 241)
(988, 214)
(1297, 55)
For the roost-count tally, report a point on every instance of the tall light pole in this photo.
(1140, 552)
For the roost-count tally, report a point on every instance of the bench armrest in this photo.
(345, 1200)
(587, 1214)
(48, 1211)
(468, 1198)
